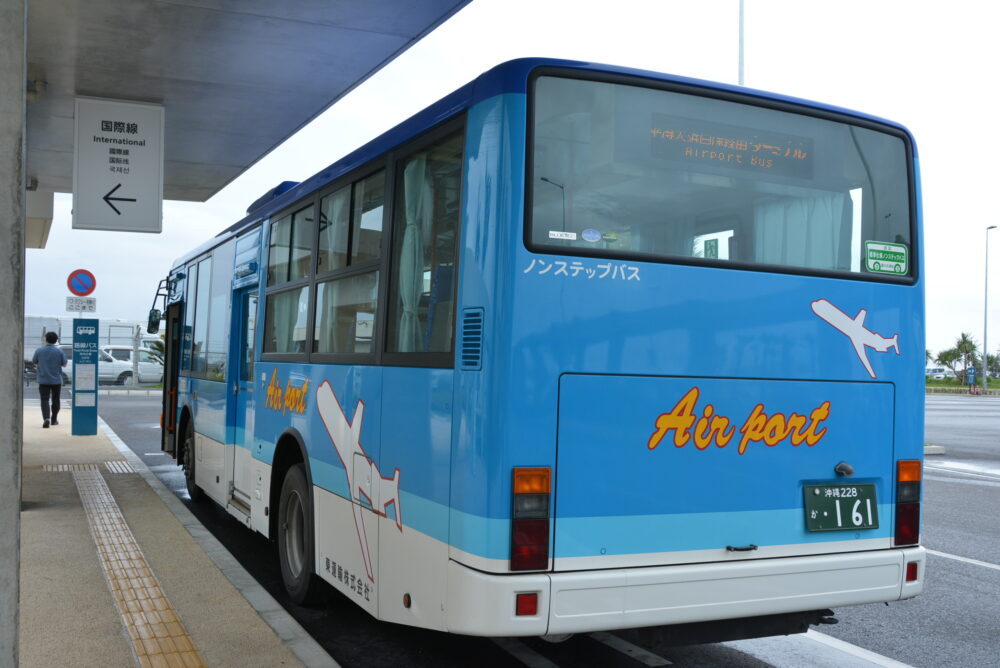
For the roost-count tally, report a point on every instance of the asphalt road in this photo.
(955, 622)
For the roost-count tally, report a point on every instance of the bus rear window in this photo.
(626, 171)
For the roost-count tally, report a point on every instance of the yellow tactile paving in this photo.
(113, 466)
(157, 633)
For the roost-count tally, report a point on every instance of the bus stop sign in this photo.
(81, 282)
(85, 361)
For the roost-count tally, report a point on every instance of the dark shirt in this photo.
(50, 360)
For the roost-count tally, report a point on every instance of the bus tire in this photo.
(188, 463)
(296, 541)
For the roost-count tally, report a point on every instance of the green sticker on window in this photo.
(712, 248)
(886, 258)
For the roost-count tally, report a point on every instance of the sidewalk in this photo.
(116, 572)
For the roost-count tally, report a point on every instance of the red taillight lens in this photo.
(526, 604)
(907, 524)
(909, 473)
(530, 545)
(911, 571)
(529, 541)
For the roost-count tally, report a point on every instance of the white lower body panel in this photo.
(483, 604)
(210, 467)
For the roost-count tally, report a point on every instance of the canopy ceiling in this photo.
(236, 77)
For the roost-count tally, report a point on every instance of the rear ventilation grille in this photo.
(472, 339)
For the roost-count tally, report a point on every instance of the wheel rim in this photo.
(294, 520)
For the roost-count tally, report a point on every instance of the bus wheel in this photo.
(295, 537)
(187, 461)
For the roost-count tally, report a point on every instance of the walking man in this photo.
(49, 360)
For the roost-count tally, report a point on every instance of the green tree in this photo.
(968, 351)
(951, 358)
(993, 365)
(156, 350)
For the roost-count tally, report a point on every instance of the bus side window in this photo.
(422, 292)
(347, 277)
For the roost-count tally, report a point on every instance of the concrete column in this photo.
(13, 74)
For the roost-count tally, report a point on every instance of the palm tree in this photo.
(156, 350)
(993, 365)
(968, 349)
(951, 358)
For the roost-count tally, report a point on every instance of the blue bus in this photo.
(575, 348)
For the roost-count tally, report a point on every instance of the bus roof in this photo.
(508, 77)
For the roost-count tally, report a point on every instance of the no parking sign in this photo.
(81, 282)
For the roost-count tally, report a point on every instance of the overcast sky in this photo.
(930, 66)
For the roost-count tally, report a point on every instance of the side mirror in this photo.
(153, 326)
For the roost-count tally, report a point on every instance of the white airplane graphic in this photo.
(364, 481)
(854, 328)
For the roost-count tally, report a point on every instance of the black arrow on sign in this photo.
(108, 198)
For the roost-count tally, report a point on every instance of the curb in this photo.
(301, 644)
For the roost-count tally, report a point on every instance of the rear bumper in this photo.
(483, 604)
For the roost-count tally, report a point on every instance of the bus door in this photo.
(244, 333)
(171, 371)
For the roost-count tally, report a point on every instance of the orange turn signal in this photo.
(532, 481)
(908, 470)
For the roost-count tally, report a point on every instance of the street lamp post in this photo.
(562, 189)
(741, 43)
(986, 301)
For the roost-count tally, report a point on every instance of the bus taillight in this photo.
(908, 477)
(529, 545)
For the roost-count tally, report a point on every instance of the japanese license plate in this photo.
(841, 507)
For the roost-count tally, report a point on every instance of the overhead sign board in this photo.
(118, 166)
(82, 304)
(81, 282)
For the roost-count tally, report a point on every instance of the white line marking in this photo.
(812, 648)
(980, 476)
(969, 480)
(854, 650)
(968, 469)
(523, 653)
(975, 562)
(155, 454)
(628, 649)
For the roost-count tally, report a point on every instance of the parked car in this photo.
(150, 367)
(30, 373)
(110, 371)
(938, 373)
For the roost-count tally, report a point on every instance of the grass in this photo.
(992, 383)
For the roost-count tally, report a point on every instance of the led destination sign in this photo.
(689, 141)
